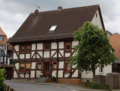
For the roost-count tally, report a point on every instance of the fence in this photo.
(8, 88)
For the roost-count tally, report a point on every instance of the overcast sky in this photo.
(14, 12)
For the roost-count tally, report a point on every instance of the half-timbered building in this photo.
(44, 43)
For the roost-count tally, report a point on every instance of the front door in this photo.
(46, 69)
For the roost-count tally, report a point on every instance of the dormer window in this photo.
(53, 27)
(1, 37)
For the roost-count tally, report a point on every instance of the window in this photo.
(53, 28)
(100, 69)
(39, 65)
(46, 46)
(28, 48)
(1, 37)
(54, 65)
(25, 66)
(67, 46)
(22, 49)
(25, 48)
(67, 66)
(22, 66)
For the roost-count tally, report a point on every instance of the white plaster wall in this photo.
(62, 52)
(27, 56)
(16, 47)
(15, 56)
(52, 52)
(40, 53)
(46, 54)
(67, 74)
(15, 74)
(32, 74)
(32, 54)
(67, 54)
(74, 66)
(61, 64)
(74, 43)
(22, 56)
(33, 46)
(61, 45)
(17, 66)
(38, 73)
(54, 73)
(27, 75)
(106, 69)
(75, 74)
(96, 20)
(39, 46)
(22, 75)
(60, 74)
(33, 65)
(53, 45)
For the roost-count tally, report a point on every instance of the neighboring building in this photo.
(44, 44)
(3, 55)
(115, 43)
(9, 54)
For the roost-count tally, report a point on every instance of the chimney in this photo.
(59, 8)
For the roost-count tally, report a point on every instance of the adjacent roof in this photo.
(115, 43)
(3, 42)
(2, 32)
(36, 27)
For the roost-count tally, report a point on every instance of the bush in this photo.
(2, 78)
(100, 86)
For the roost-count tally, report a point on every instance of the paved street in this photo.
(33, 86)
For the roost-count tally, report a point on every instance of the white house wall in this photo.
(96, 20)
(16, 47)
(89, 74)
(39, 46)
(53, 45)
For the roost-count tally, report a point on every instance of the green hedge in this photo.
(96, 86)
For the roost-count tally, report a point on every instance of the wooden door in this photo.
(46, 69)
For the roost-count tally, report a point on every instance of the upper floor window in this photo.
(46, 46)
(67, 46)
(100, 69)
(1, 37)
(22, 49)
(28, 48)
(25, 48)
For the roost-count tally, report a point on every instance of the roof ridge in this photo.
(68, 8)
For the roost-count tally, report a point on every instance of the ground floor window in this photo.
(25, 66)
(100, 69)
(54, 65)
(39, 65)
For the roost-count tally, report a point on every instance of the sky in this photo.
(14, 12)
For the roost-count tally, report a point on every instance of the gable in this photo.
(97, 20)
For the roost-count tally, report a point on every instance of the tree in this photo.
(2, 77)
(93, 49)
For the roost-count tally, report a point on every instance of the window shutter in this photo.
(27, 66)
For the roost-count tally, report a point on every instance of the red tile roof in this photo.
(36, 28)
(2, 32)
(115, 43)
(4, 37)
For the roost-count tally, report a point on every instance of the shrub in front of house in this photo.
(96, 86)
(2, 78)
